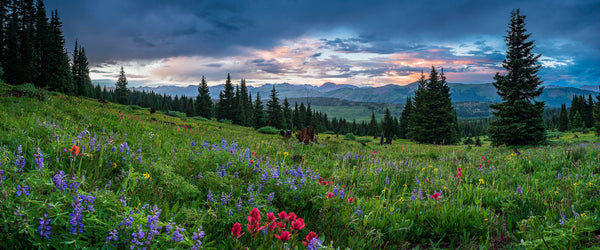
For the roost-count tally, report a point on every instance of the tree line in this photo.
(32, 50)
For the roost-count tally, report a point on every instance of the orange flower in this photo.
(74, 150)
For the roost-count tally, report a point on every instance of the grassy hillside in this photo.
(163, 182)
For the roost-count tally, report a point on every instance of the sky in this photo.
(364, 43)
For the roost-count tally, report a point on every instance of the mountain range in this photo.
(554, 96)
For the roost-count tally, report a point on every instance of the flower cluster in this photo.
(44, 227)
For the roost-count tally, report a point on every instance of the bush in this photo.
(468, 141)
(349, 137)
(328, 133)
(364, 140)
(226, 121)
(268, 130)
(200, 118)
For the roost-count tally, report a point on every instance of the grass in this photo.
(153, 173)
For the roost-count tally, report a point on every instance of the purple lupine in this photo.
(123, 200)
(224, 198)
(24, 190)
(75, 184)
(76, 217)
(2, 176)
(270, 199)
(177, 236)
(562, 218)
(249, 188)
(358, 212)
(113, 235)
(59, 182)
(138, 238)
(20, 161)
(127, 220)
(200, 175)
(315, 244)
(341, 193)
(44, 227)
(519, 190)
(197, 236)
(335, 190)
(151, 225)
(39, 159)
(230, 212)
(209, 197)
(250, 199)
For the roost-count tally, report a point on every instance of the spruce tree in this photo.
(406, 112)
(287, 114)
(259, 113)
(246, 103)
(121, 90)
(296, 117)
(59, 73)
(274, 114)
(520, 120)
(239, 113)
(28, 54)
(226, 101)
(203, 101)
(563, 119)
(373, 126)
(596, 114)
(433, 118)
(388, 123)
(42, 45)
(12, 60)
(577, 122)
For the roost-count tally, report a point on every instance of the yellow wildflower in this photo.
(286, 153)
(146, 175)
(435, 169)
(583, 215)
(402, 200)
(486, 219)
(404, 184)
(422, 169)
(481, 181)
(445, 187)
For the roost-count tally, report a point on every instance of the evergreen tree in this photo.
(259, 113)
(388, 123)
(596, 114)
(296, 117)
(59, 73)
(404, 118)
(433, 119)
(577, 122)
(588, 118)
(519, 115)
(373, 127)
(239, 113)
(563, 120)
(287, 114)
(308, 116)
(12, 60)
(274, 114)
(203, 101)
(246, 102)
(302, 116)
(189, 111)
(226, 101)
(121, 90)
(27, 53)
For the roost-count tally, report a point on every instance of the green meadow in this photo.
(137, 180)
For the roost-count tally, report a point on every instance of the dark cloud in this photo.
(153, 29)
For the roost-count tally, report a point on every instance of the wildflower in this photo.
(197, 236)
(270, 198)
(282, 215)
(562, 218)
(291, 217)
(74, 151)
(297, 224)
(112, 235)
(39, 159)
(329, 195)
(519, 190)
(481, 181)
(209, 197)
(271, 217)
(358, 212)
(350, 200)
(314, 244)
(286, 153)
(177, 236)
(24, 190)
(309, 237)
(146, 176)
(200, 175)
(436, 196)
(44, 227)
(284, 236)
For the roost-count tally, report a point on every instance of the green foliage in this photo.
(547, 195)
(268, 130)
(349, 137)
(364, 139)
(519, 115)
(203, 102)
(200, 118)
(468, 141)
(274, 113)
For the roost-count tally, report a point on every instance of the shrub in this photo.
(349, 137)
(200, 118)
(226, 121)
(364, 140)
(328, 133)
(268, 130)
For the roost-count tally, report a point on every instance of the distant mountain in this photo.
(554, 96)
(590, 88)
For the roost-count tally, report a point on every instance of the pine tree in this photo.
(28, 54)
(189, 111)
(577, 122)
(84, 73)
(588, 118)
(121, 90)
(246, 103)
(12, 60)
(59, 72)
(433, 118)
(404, 118)
(259, 113)
(274, 114)
(287, 114)
(239, 113)
(203, 101)
(42, 45)
(563, 120)
(373, 126)
(296, 117)
(388, 123)
(302, 116)
(520, 120)
(226, 101)
(596, 114)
